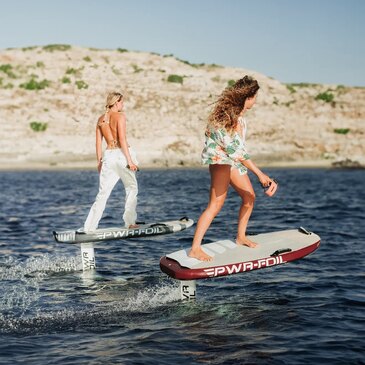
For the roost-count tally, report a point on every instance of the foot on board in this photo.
(246, 242)
(200, 255)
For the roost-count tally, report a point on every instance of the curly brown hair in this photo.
(231, 102)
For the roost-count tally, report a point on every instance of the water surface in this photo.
(310, 311)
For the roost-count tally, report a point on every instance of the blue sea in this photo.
(310, 311)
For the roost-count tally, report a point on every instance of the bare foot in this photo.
(131, 226)
(200, 255)
(246, 242)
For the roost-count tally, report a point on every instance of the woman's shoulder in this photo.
(214, 128)
(101, 120)
(215, 133)
(117, 116)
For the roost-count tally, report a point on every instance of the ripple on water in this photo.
(308, 311)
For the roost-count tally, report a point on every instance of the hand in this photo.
(131, 166)
(265, 180)
(100, 164)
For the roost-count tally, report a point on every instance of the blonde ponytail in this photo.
(111, 99)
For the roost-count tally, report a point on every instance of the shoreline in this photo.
(89, 166)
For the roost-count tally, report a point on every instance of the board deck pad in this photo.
(273, 248)
(117, 233)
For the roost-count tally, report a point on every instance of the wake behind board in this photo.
(116, 233)
(274, 248)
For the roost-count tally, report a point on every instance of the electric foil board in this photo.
(273, 248)
(116, 233)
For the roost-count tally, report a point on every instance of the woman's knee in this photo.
(215, 207)
(102, 196)
(132, 189)
(248, 199)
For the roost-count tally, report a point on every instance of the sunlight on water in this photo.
(153, 297)
(21, 280)
(37, 267)
(86, 315)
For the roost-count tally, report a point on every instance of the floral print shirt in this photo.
(224, 148)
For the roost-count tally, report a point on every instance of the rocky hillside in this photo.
(51, 97)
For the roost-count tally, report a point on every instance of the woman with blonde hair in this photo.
(225, 153)
(117, 162)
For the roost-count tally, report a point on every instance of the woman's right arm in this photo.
(263, 178)
(98, 145)
(236, 150)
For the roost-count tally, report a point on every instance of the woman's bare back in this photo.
(108, 124)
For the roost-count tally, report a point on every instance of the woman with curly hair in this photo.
(225, 153)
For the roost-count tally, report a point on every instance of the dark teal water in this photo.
(311, 311)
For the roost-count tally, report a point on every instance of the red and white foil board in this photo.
(273, 248)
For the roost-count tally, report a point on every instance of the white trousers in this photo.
(113, 169)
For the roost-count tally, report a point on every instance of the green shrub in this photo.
(81, 84)
(35, 85)
(288, 103)
(40, 64)
(136, 68)
(326, 97)
(304, 84)
(230, 83)
(175, 78)
(122, 50)
(291, 88)
(8, 70)
(73, 71)
(196, 65)
(214, 65)
(38, 126)
(29, 48)
(116, 71)
(66, 80)
(87, 59)
(341, 130)
(57, 47)
(5, 86)
(341, 89)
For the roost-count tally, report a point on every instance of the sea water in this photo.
(311, 311)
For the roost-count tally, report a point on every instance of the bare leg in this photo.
(243, 186)
(220, 178)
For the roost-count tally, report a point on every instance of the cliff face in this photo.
(51, 97)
